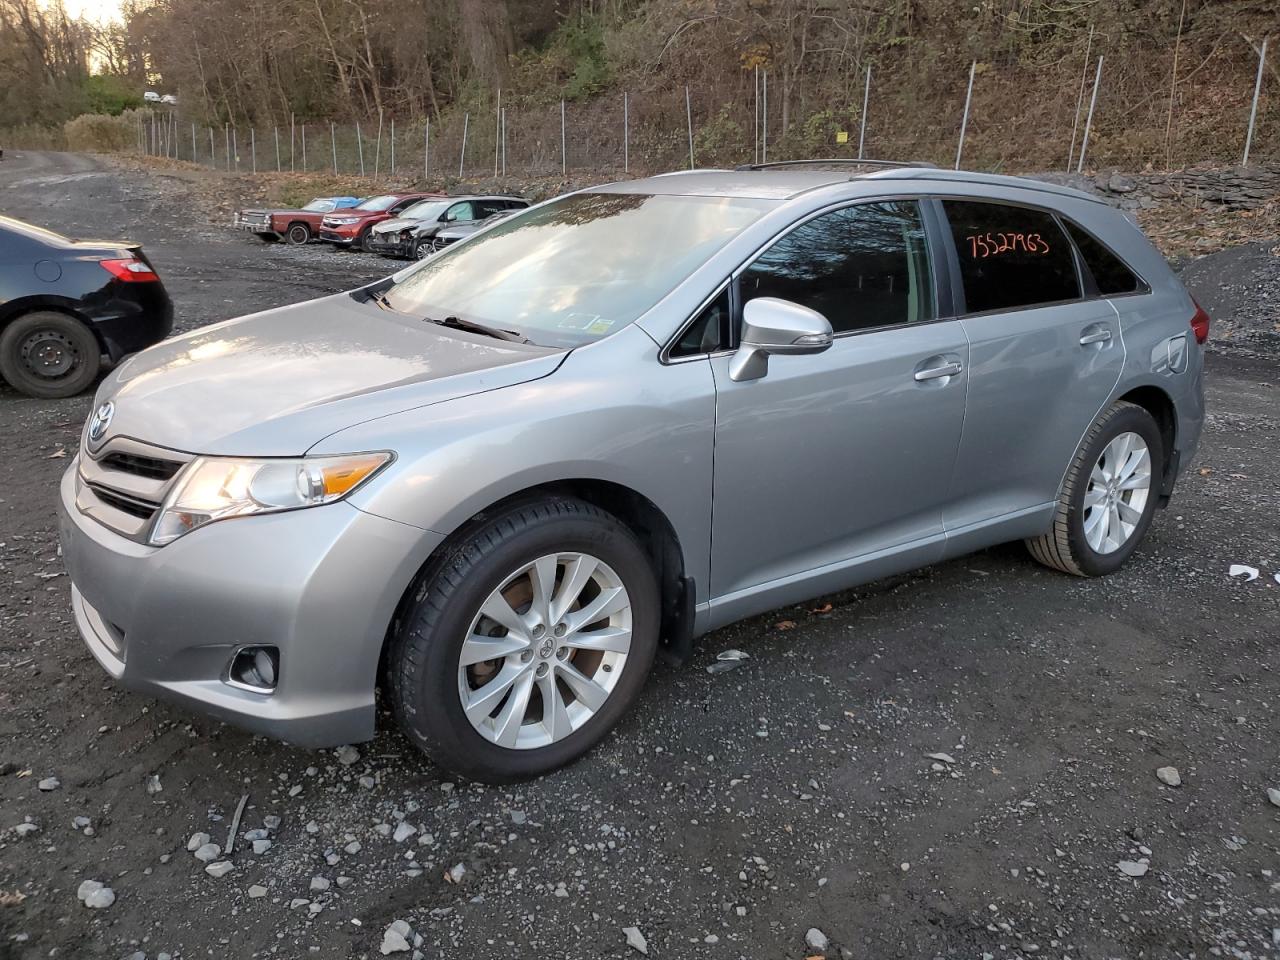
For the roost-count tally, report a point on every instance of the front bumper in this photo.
(342, 236)
(320, 584)
(389, 245)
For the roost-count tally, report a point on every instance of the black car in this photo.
(67, 304)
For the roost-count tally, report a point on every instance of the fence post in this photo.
(764, 117)
(194, 158)
(866, 99)
(462, 157)
(964, 120)
(497, 134)
(688, 116)
(253, 148)
(504, 141)
(292, 139)
(213, 160)
(360, 147)
(304, 147)
(333, 143)
(1088, 123)
(393, 146)
(626, 132)
(1253, 111)
(564, 157)
(377, 147)
(235, 150)
(426, 150)
(755, 148)
(276, 131)
(226, 136)
(1084, 78)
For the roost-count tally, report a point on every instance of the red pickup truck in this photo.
(348, 228)
(294, 226)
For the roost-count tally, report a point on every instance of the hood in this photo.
(275, 383)
(395, 225)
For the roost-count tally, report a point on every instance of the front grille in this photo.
(153, 468)
(124, 484)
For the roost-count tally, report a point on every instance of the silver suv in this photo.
(493, 484)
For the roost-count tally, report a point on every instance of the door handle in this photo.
(942, 370)
(1100, 335)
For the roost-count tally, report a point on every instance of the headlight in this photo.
(214, 488)
(345, 220)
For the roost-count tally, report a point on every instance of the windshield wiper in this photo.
(470, 326)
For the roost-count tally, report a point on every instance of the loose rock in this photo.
(49, 783)
(219, 869)
(1170, 776)
(815, 939)
(636, 940)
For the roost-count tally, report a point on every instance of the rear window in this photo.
(1010, 257)
(1109, 272)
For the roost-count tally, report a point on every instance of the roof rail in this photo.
(836, 160)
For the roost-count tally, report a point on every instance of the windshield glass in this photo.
(378, 203)
(576, 269)
(320, 206)
(425, 210)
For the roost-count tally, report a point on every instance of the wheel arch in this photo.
(41, 303)
(651, 527)
(1157, 402)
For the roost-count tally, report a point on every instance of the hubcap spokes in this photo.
(545, 650)
(1116, 497)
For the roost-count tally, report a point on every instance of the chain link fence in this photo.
(1074, 125)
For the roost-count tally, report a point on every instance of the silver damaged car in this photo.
(493, 485)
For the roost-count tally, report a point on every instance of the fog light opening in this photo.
(255, 668)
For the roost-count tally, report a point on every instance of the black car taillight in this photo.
(130, 270)
(1200, 323)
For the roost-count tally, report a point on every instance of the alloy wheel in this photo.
(545, 650)
(1119, 486)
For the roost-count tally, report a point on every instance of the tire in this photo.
(298, 234)
(421, 249)
(428, 679)
(1072, 545)
(360, 240)
(49, 355)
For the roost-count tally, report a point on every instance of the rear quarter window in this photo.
(1010, 256)
(1110, 274)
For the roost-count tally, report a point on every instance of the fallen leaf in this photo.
(59, 454)
(825, 608)
(1205, 471)
(785, 625)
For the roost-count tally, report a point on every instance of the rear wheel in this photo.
(528, 643)
(48, 354)
(299, 233)
(1109, 496)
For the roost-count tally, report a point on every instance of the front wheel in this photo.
(527, 643)
(1109, 495)
(421, 248)
(49, 355)
(299, 233)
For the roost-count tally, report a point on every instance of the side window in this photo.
(707, 332)
(861, 267)
(1109, 272)
(459, 212)
(1010, 257)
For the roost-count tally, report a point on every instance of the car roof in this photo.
(785, 182)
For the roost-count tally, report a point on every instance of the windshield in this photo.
(320, 206)
(425, 210)
(576, 269)
(379, 203)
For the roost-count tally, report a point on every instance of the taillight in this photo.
(1200, 324)
(130, 270)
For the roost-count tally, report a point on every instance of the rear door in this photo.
(1044, 358)
(846, 455)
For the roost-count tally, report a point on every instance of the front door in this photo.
(835, 467)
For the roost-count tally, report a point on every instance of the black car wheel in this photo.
(299, 233)
(361, 240)
(47, 354)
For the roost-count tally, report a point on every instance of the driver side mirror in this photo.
(773, 326)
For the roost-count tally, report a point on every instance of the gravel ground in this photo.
(960, 762)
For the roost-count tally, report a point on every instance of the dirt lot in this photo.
(730, 813)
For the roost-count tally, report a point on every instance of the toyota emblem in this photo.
(101, 420)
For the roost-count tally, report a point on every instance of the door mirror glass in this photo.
(773, 326)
